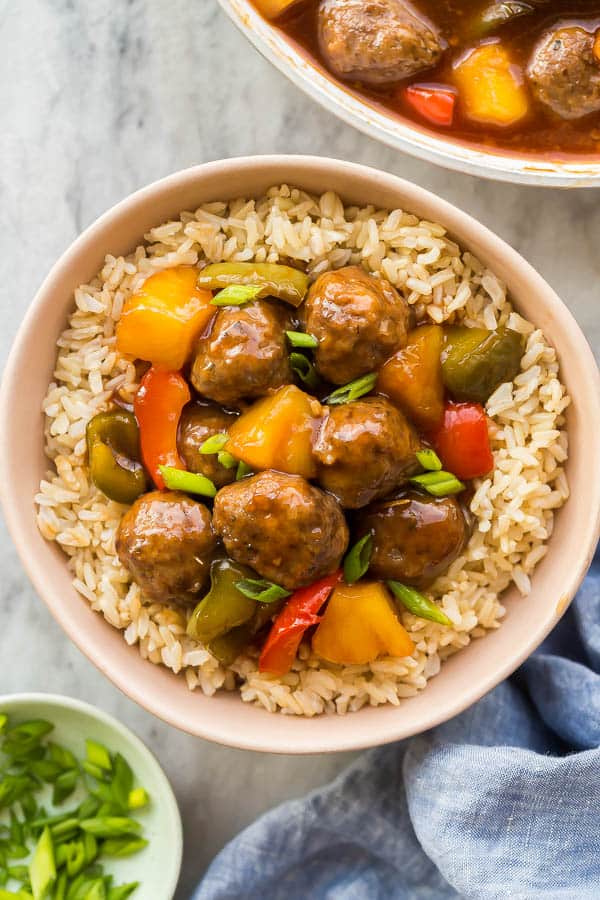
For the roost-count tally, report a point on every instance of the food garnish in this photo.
(237, 295)
(353, 390)
(63, 853)
(357, 559)
(261, 590)
(418, 604)
(189, 482)
(302, 340)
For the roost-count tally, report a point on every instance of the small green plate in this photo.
(157, 866)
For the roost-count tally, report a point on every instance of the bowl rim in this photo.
(398, 133)
(139, 747)
(274, 168)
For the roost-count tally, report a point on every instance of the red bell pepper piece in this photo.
(299, 613)
(157, 406)
(462, 441)
(434, 102)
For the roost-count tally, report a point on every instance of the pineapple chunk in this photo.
(491, 86)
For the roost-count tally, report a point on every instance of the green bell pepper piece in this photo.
(476, 361)
(113, 441)
(224, 607)
(279, 281)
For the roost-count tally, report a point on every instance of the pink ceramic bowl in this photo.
(224, 718)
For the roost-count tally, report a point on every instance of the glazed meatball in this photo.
(245, 354)
(166, 542)
(365, 450)
(565, 73)
(359, 322)
(198, 422)
(415, 536)
(376, 41)
(284, 528)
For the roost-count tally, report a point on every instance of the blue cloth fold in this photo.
(501, 802)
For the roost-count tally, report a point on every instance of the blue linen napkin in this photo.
(501, 802)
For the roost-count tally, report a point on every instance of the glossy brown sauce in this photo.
(540, 134)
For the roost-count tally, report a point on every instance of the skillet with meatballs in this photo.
(518, 74)
(298, 458)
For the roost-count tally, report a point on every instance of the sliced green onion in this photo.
(138, 798)
(357, 559)
(429, 460)
(34, 729)
(302, 340)
(93, 770)
(418, 604)
(110, 826)
(98, 755)
(64, 786)
(123, 846)
(243, 470)
(237, 294)
(42, 868)
(214, 444)
(304, 369)
(353, 390)
(76, 859)
(18, 895)
(63, 757)
(261, 590)
(226, 460)
(121, 784)
(439, 484)
(189, 482)
(19, 873)
(96, 890)
(60, 888)
(122, 891)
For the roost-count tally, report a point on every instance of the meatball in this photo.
(376, 41)
(364, 450)
(565, 73)
(359, 322)
(415, 537)
(198, 422)
(284, 528)
(245, 354)
(166, 542)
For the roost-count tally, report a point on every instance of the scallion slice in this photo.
(353, 390)
(429, 460)
(357, 559)
(243, 470)
(189, 482)
(237, 294)
(226, 459)
(302, 340)
(261, 590)
(439, 484)
(418, 604)
(305, 370)
(214, 444)
(42, 868)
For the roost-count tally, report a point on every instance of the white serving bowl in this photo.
(467, 675)
(401, 134)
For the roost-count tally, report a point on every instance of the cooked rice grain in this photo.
(513, 508)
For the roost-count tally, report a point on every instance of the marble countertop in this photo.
(99, 98)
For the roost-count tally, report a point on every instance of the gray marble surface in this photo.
(98, 98)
